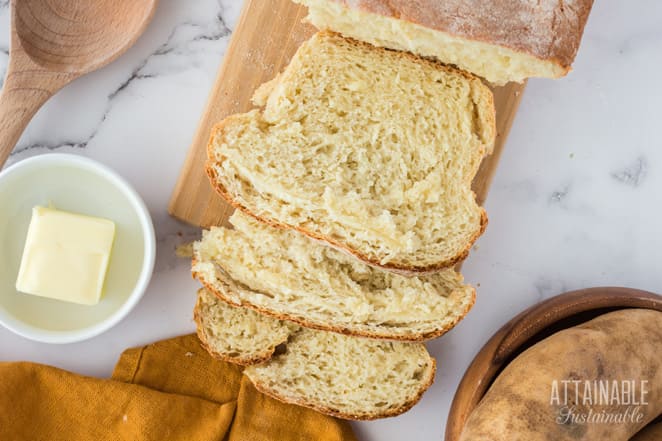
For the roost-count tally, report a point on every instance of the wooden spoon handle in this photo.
(17, 107)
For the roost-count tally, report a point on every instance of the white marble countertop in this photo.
(576, 202)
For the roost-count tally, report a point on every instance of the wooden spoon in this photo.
(53, 42)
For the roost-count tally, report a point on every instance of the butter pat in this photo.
(66, 256)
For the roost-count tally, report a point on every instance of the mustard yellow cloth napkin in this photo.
(170, 390)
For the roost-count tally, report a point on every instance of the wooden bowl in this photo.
(530, 327)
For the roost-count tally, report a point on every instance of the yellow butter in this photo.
(66, 256)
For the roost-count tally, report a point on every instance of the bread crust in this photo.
(414, 337)
(550, 31)
(240, 360)
(367, 416)
(403, 269)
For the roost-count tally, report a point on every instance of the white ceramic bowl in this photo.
(80, 185)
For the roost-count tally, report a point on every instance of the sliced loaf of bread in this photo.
(500, 41)
(369, 150)
(347, 377)
(287, 275)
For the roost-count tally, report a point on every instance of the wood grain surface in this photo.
(529, 327)
(54, 42)
(267, 35)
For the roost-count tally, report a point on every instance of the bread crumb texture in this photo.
(286, 274)
(349, 377)
(365, 148)
(237, 334)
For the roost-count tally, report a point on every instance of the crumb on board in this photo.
(184, 250)
(189, 354)
(125, 418)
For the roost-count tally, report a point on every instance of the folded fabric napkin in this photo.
(170, 390)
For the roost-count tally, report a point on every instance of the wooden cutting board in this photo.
(267, 35)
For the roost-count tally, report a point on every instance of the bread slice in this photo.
(347, 377)
(286, 275)
(500, 41)
(237, 335)
(369, 150)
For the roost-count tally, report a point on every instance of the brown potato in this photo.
(543, 394)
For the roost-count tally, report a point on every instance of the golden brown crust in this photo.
(356, 417)
(241, 359)
(412, 337)
(550, 30)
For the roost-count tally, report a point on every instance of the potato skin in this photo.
(621, 345)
